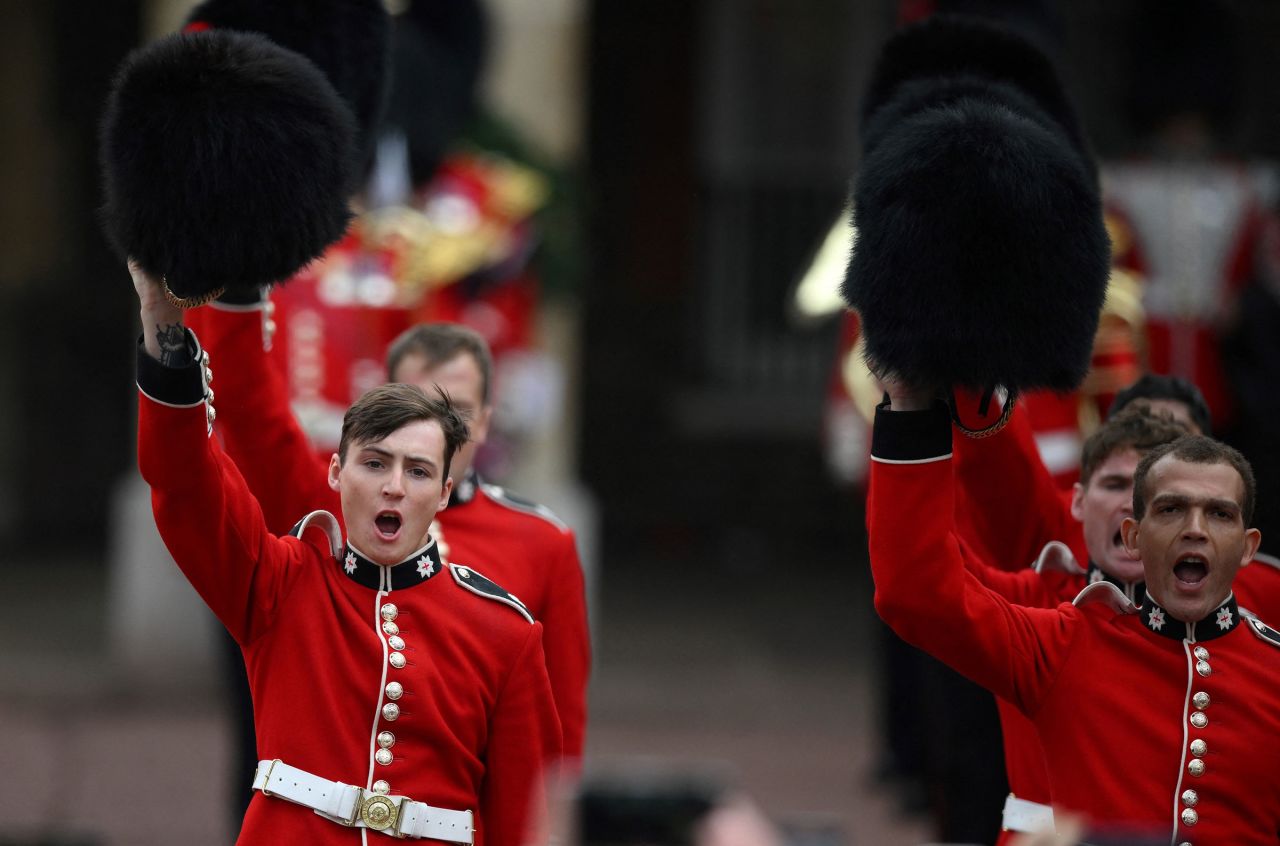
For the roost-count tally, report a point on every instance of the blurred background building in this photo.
(703, 148)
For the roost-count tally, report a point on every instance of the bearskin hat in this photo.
(227, 161)
(981, 257)
(349, 40)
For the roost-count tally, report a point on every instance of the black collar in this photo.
(414, 570)
(465, 489)
(1135, 592)
(1221, 620)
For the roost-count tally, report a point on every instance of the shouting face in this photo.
(391, 490)
(1101, 505)
(1192, 539)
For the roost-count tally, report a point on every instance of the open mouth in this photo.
(1191, 570)
(388, 524)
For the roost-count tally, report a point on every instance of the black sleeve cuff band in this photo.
(177, 386)
(911, 435)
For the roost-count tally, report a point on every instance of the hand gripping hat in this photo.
(227, 162)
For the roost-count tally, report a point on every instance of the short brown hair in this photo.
(1137, 428)
(1196, 449)
(387, 408)
(438, 343)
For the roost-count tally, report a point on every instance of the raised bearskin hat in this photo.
(981, 257)
(227, 162)
(349, 40)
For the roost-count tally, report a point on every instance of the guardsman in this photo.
(518, 544)
(1159, 718)
(393, 692)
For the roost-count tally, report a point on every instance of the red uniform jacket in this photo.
(472, 723)
(1148, 724)
(521, 546)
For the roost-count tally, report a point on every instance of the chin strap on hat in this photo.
(1010, 400)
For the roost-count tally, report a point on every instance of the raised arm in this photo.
(257, 427)
(209, 521)
(923, 589)
(1010, 504)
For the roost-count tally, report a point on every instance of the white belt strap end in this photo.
(1031, 817)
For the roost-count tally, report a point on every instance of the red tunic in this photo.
(476, 721)
(1115, 697)
(520, 546)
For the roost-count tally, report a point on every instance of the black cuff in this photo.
(242, 298)
(179, 386)
(911, 435)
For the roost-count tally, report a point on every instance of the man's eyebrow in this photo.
(419, 459)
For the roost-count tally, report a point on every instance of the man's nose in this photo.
(1194, 526)
(393, 485)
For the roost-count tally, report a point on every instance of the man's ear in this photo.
(335, 467)
(479, 425)
(1077, 502)
(445, 491)
(1252, 540)
(1129, 534)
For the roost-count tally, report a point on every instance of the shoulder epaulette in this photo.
(1263, 631)
(480, 586)
(507, 499)
(322, 520)
(1056, 556)
(1106, 593)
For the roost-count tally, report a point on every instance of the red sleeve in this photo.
(1024, 587)
(567, 640)
(923, 589)
(255, 421)
(1009, 501)
(209, 521)
(524, 737)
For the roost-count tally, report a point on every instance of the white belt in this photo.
(346, 804)
(1021, 815)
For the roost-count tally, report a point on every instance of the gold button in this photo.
(389, 611)
(397, 660)
(386, 739)
(395, 690)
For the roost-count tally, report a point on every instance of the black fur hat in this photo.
(226, 161)
(981, 257)
(964, 46)
(347, 39)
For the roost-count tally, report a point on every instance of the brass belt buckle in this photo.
(379, 812)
